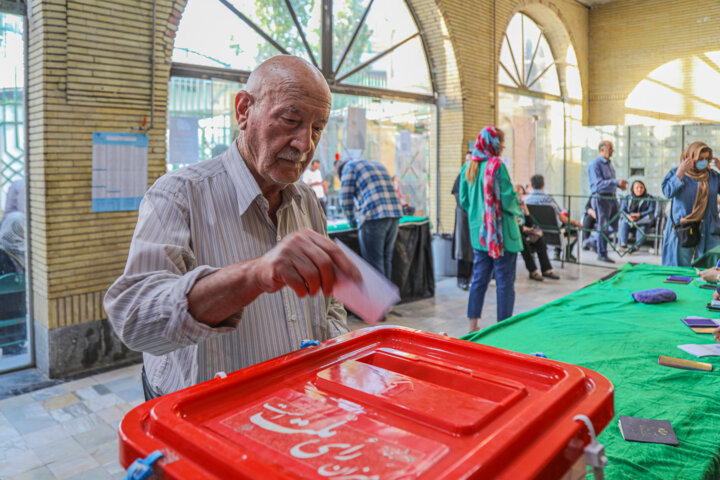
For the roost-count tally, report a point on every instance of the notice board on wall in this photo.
(119, 170)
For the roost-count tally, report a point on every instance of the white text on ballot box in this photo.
(119, 170)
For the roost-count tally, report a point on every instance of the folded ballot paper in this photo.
(369, 299)
(702, 350)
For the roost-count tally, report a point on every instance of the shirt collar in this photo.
(246, 188)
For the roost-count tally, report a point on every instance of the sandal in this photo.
(550, 274)
(536, 276)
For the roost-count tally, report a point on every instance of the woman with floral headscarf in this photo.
(693, 188)
(487, 195)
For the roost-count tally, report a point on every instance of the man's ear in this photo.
(243, 100)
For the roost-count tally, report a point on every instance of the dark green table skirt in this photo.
(412, 264)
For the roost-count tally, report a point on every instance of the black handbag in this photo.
(688, 233)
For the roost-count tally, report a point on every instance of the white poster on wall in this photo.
(119, 170)
(184, 143)
(355, 132)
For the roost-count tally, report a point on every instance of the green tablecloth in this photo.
(344, 226)
(602, 328)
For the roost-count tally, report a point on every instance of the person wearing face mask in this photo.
(693, 188)
(638, 207)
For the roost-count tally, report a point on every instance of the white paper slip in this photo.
(702, 350)
(369, 299)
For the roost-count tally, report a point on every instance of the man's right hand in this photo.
(622, 184)
(306, 262)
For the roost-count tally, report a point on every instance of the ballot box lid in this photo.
(378, 403)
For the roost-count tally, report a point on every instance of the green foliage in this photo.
(275, 19)
(344, 24)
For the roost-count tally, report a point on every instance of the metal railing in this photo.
(656, 235)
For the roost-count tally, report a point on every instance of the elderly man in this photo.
(603, 184)
(230, 263)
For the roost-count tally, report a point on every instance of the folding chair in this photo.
(554, 234)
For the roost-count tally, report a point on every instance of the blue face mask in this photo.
(701, 164)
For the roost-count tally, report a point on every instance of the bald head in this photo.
(286, 73)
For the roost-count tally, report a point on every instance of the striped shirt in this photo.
(368, 193)
(192, 222)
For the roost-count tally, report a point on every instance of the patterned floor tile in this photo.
(97, 435)
(72, 466)
(131, 394)
(78, 384)
(105, 453)
(18, 463)
(103, 402)
(45, 436)
(82, 424)
(60, 401)
(59, 450)
(39, 473)
(46, 393)
(70, 412)
(98, 473)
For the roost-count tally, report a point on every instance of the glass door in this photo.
(15, 350)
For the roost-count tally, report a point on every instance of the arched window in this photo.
(540, 104)
(370, 52)
(526, 61)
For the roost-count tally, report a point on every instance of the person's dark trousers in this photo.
(323, 204)
(605, 210)
(148, 391)
(540, 248)
(377, 243)
(464, 271)
(504, 268)
(588, 223)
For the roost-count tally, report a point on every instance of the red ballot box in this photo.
(378, 403)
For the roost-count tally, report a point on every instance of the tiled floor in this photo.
(68, 431)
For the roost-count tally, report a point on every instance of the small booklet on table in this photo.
(678, 279)
(693, 321)
(703, 329)
(702, 350)
(646, 430)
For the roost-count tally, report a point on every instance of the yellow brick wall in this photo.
(89, 71)
(632, 38)
(470, 29)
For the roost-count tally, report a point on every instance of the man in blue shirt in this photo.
(604, 184)
(369, 200)
(539, 197)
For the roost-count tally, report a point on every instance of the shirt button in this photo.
(293, 317)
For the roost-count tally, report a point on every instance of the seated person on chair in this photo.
(539, 197)
(638, 205)
(533, 242)
(230, 263)
(12, 243)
